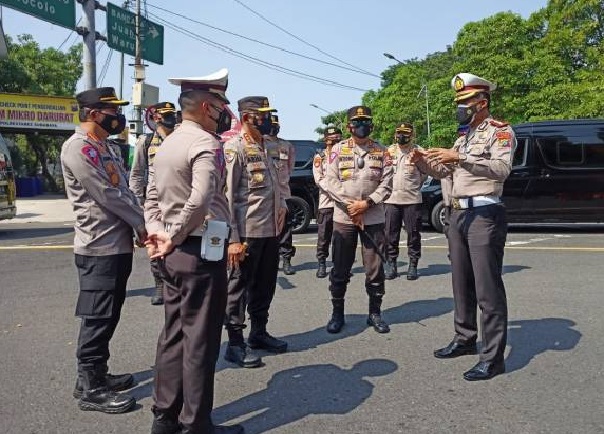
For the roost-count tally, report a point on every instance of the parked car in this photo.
(305, 193)
(557, 175)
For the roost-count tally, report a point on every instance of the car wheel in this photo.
(300, 214)
(437, 217)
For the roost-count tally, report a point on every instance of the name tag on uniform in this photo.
(214, 235)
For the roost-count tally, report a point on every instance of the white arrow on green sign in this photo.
(60, 12)
(121, 34)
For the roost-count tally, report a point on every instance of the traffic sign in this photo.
(121, 34)
(60, 12)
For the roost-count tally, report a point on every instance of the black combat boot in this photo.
(287, 267)
(97, 397)
(158, 297)
(390, 271)
(115, 383)
(260, 339)
(336, 322)
(412, 271)
(375, 315)
(164, 423)
(322, 270)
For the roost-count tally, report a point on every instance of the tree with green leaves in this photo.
(31, 69)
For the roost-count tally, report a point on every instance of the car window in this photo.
(573, 152)
(520, 152)
(305, 152)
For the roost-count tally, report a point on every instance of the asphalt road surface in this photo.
(353, 382)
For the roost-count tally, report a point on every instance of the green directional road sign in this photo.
(121, 34)
(60, 12)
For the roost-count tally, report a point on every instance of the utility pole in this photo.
(89, 33)
(139, 67)
(126, 5)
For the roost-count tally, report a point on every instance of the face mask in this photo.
(275, 130)
(113, 124)
(465, 113)
(168, 121)
(265, 126)
(362, 131)
(223, 122)
(403, 140)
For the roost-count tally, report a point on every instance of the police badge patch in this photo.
(91, 154)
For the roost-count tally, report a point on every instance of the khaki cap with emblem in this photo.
(467, 85)
(329, 131)
(215, 83)
(359, 112)
(405, 128)
(99, 97)
(254, 103)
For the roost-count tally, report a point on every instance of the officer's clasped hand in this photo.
(159, 245)
(442, 155)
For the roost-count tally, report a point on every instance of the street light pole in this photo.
(329, 113)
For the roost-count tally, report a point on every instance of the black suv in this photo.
(557, 175)
(305, 194)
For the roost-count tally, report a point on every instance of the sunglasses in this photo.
(359, 122)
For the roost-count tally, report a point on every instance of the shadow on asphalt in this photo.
(141, 292)
(296, 393)
(24, 233)
(529, 338)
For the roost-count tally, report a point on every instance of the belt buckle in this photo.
(455, 203)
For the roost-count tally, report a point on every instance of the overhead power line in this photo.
(252, 59)
(263, 18)
(71, 33)
(266, 44)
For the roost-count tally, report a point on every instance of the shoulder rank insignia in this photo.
(498, 124)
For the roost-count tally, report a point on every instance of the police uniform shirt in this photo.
(143, 159)
(282, 153)
(105, 209)
(488, 149)
(346, 181)
(407, 178)
(319, 169)
(253, 189)
(186, 183)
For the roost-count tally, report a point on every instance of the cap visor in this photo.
(467, 95)
(116, 102)
(266, 109)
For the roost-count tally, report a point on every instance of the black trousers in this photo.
(286, 246)
(411, 215)
(476, 244)
(103, 281)
(155, 270)
(324, 233)
(345, 238)
(187, 349)
(253, 286)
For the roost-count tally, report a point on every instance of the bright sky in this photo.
(354, 31)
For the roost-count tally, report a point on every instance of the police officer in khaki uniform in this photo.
(258, 211)
(284, 154)
(185, 195)
(478, 228)
(404, 204)
(358, 179)
(107, 216)
(162, 120)
(331, 136)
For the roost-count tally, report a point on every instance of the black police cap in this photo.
(332, 130)
(99, 97)
(254, 103)
(359, 112)
(163, 108)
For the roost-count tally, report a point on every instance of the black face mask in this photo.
(265, 127)
(223, 122)
(168, 121)
(113, 124)
(362, 131)
(465, 113)
(275, 130)
(403, 140)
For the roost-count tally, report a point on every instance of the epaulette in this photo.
(498, 124)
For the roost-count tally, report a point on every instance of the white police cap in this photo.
(215, 83)
(467, 85)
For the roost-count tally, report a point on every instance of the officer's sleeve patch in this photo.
(91, 154)
(333, 157)
(317, 161)
(229, 155)
(504, 138)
